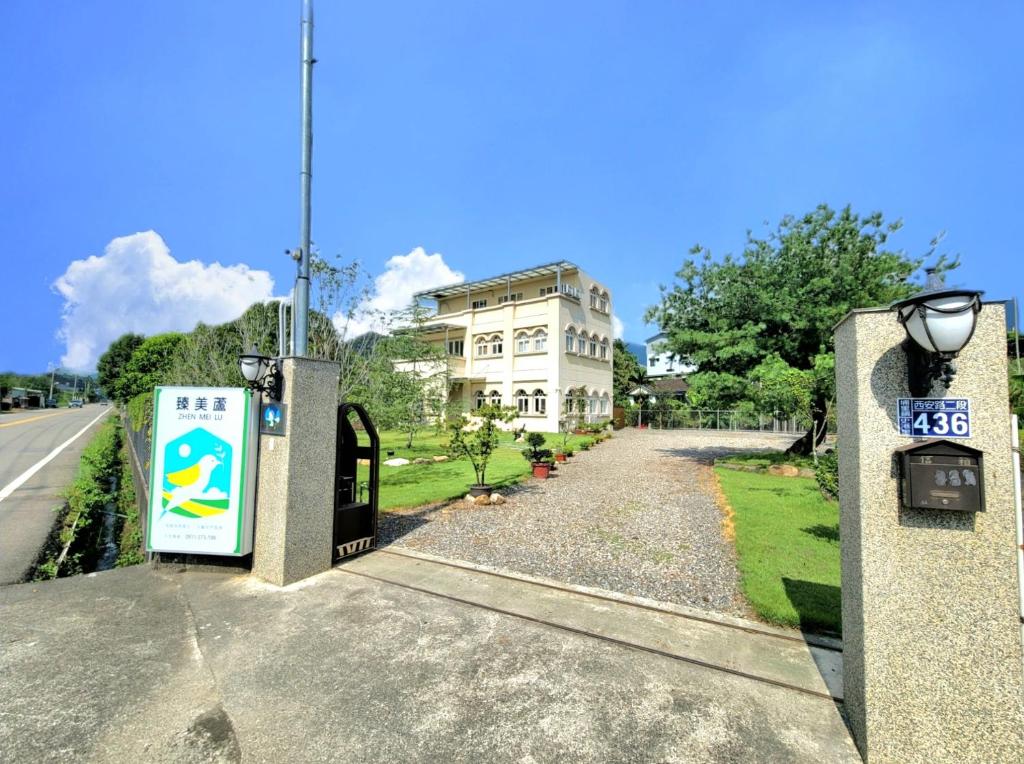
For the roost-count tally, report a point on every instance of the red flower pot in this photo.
(541, 471)
(560, 457)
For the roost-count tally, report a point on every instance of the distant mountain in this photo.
(639, 350)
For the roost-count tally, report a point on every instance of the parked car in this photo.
(75, 404)
(51, 403)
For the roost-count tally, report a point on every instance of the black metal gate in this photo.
(355, 500)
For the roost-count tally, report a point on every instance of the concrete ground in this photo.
(27, 514)
(394, 657)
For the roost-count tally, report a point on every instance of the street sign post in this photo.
(203, 471)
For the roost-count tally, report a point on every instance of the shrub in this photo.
(534, 453)
(827, 474)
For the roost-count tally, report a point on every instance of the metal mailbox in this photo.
(355, 500)
(941, 474)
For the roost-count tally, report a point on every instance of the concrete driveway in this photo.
(435, 664)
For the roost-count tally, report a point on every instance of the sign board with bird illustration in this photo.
(202, 481)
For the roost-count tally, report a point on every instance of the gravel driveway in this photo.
(637, 514)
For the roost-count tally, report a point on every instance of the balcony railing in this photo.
(570, 291)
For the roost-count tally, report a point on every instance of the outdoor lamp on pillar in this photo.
(939, 323)
(261, 372)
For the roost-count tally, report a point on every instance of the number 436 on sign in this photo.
(934, 417)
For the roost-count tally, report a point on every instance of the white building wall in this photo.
(552, 370)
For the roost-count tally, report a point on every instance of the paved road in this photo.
(26, 514)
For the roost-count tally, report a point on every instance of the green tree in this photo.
(112, 363)
(781, 297)
(627, 372)
(478, 438)
(150, 365)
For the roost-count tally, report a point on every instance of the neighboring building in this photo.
(527, 339)
(661, 363)
(664, 388)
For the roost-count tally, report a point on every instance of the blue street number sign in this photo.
(934, 417)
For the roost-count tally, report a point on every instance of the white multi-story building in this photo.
(528, 339)
(661, 363)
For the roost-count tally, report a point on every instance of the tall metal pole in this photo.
(300, 316)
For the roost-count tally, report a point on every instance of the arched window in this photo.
(583, 343)
(522, 402)
(540, 402)
(495, 398)
(522, 342)
(593, 346)
(570, 340)
(604, 348)
(595, 296)
(481, 346)
(496, 344)
(592, 404)
(604, 403)
(604, 302)
(540, 340)
(479, 395)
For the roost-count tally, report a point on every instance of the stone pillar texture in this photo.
(932, 650)
(295, 487)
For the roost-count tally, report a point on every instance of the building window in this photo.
(604, 302)
(481, 346)
(514, 297)
(479, 304)
(479, 399)
(496, 344)
(654, 361)
(604, 403)
(522, 342)
(595, 296)
(522, 402)
(540, 340)
(583, 343)
(495, 398)
(456, 347)
(540, 402)
(545, 291)
(604, 349)
(593, 347)
(592, 405)
(570, 340)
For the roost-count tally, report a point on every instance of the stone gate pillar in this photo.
(295, 486)
(932, 654)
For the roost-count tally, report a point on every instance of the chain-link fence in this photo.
(714, 419)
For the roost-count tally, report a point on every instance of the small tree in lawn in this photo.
(477, 443)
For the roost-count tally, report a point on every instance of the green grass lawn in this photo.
(768, 458)
(787, 542)
(416, 484)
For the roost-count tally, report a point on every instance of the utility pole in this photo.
(53, 371)
(301, 314)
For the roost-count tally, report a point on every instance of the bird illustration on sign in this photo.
(197, 475)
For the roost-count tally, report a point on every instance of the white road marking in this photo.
(15, 484)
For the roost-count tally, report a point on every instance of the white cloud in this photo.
(618, 328)
(137, 286)
(403, 276)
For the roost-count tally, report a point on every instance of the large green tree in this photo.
(149, 366)
(626, 372)
(112, 363)
(777, 304)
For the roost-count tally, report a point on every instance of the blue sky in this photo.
(498, 135)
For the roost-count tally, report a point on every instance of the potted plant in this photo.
(537, 456)
(560, 455)
(476, 439)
